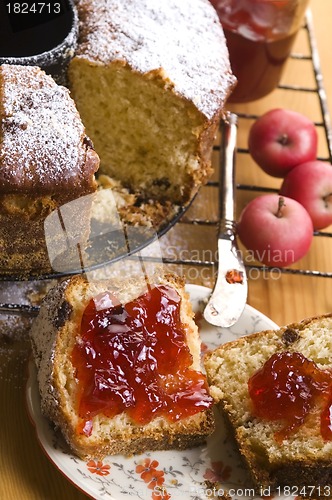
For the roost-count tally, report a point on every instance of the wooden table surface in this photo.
(26, 473)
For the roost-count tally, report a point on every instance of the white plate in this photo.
(178, 475)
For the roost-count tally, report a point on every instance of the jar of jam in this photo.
(260, 36)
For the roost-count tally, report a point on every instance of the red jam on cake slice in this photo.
(288, 388)
(134, 358)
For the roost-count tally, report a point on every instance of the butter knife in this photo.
(229, 295)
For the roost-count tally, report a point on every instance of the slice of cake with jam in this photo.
(275, 390)
(119, 367)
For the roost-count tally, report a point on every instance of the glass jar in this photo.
(260, 35)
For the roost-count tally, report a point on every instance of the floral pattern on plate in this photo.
(214, 470)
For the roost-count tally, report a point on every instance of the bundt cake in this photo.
(150, 80)
(119, 366)
(46, 161)
(275, 390)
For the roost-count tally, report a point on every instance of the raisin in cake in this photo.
(46, 161)
(275, 389)
(119, 366)
(150, 80)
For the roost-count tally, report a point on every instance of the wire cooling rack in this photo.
(197, 223)
(319, 91)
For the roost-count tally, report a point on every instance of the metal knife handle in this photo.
(227, 175)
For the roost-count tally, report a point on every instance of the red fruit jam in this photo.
(134, 358)
(288, 387)
(234, 276)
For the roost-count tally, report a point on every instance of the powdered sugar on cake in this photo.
(42, 134)
(176, 38)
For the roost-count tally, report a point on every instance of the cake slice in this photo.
(275, 390)
(150, 80)
(119, 366)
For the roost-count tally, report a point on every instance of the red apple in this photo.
(311, 185)
(281, 139)
(277, 231)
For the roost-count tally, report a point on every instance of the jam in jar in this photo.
(288, 388)
(260, 35)
(134, 358)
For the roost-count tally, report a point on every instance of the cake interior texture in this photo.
(146, 137)
(303, 458)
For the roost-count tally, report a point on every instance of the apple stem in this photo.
(283, 140)
(281, 204)
(327, 199)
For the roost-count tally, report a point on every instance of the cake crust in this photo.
(46, 161)
(145, 35)
(44, 148)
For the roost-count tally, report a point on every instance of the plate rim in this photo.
(248, 307)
